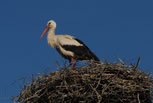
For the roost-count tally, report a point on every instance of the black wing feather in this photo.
(81, 52)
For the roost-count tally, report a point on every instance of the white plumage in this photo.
(67, 40)
(69, 47)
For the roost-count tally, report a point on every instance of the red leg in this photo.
(74, 64)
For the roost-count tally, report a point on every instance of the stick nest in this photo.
(95, 83)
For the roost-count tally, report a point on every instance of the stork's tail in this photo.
(88, 53)
(93, 56)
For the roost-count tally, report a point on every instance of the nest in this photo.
(95, 83)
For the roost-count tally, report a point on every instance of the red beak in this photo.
(46, 29)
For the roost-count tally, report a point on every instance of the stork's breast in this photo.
(52, 43)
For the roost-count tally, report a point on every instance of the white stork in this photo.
(68, 46)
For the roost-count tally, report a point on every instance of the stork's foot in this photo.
(72, 66)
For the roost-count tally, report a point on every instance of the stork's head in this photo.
(50, 25)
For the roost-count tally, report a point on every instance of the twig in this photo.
(121, 61)
(57, 65)
(98, 95)
(138, 98)
(34, 96)
(137, 62)
(98, 81)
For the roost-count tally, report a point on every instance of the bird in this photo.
(68, 46)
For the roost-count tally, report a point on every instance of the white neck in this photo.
(51, 33)
(51, 37)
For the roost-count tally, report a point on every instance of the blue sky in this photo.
(107, 27)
